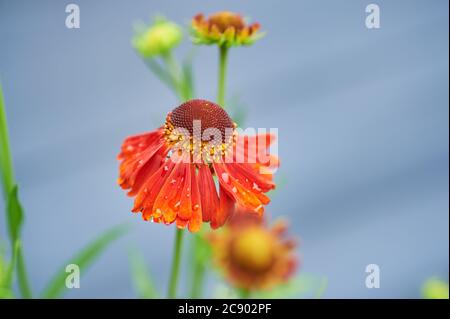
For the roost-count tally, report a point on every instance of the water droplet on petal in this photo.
(256, 187)
(225, 177)
(259, 209)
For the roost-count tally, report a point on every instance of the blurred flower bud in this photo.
(157, 39)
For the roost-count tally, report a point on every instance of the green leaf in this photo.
(15, 214)
(161, 73)
(141, 277)
(22, 277)
(6, 165)
(6, 274)
(188, 78)
(83, 259)
(304, 285)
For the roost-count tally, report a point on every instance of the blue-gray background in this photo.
(362, 117)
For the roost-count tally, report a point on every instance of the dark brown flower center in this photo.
(208, 113)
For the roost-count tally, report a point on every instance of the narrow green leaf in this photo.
(6, 274)
(160, 72)
(15, 214)
(141, 277)
(6, 165)
(22, 277)
(188, 77)
(83, 259)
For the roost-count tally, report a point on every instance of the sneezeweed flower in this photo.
(253, 256)
(157, 39)
(224, 29)
(170, 171)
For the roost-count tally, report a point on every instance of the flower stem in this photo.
(223, 57)
(198, 265)
(24, 285)
(244, 293)
(175, 264)
(174, 73)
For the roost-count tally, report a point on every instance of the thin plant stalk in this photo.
(244, 293)
(174, 72)
(223, 57)
(173, 283)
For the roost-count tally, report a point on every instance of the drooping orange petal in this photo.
(165, 202)
(147, 171)
(196, 219)
(147, 195)
(256, 182)
(210, 200)
(226, 209)
(251, 182)
(254, 149)
(135, 153)
(244, 197)
(185, 208)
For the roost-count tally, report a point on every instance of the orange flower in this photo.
(224, 28)
(170, 171)
(252, 255)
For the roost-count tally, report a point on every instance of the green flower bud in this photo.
(157, 39)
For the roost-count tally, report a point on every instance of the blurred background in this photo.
(363, 128)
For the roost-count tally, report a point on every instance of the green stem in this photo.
(174, 72)
(22, 277)
(175, 264)
(198, 265)
(5, 156)
(244, 293)
(9, 182)
(223, 57)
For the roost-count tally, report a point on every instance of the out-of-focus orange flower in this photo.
(252, 255)
(170, 171)
(225, 29)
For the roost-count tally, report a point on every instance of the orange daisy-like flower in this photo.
(253, 256)
(225, 29)
(170, 171)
